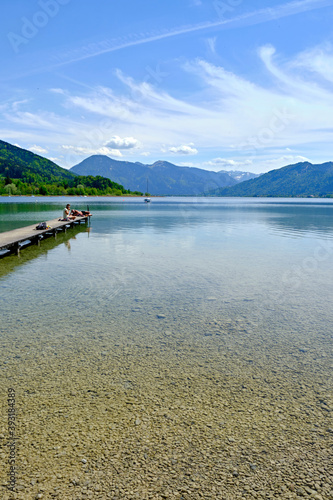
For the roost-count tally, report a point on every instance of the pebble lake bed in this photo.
(181, 350)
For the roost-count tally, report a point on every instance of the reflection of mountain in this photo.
(298, 218)
(9, 263)
(164, 177)
(301, 219)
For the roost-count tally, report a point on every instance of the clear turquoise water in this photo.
(234, 295)
(270, 260)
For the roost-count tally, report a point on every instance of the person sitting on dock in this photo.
(66, 215)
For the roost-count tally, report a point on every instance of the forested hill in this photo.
(301, 179)
(19, 163)
(26, 173)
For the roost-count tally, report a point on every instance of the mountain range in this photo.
(163, 178)
(24, 172)
(301, 179)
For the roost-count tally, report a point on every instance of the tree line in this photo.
(76, 186)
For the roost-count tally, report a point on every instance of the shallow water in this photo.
(181, 348)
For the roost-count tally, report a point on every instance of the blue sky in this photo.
(220, 85)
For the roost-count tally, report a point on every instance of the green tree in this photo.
(43, 190)
(10, 189)
(80, 189)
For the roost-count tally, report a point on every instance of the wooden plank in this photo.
(12, 239)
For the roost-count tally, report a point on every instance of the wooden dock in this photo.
(13, 241)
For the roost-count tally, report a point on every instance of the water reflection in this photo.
(291, 217)
(294, 220)
(9, 263)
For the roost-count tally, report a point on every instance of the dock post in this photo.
(38, 240)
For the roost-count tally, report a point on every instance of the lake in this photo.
(178, 349)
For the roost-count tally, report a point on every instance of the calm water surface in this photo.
(249, 256)
(225, 289)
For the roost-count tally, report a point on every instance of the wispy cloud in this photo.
(234, 110)
(211, 44)
(29, 119)
(227, 164)
(318, 60)
(246, 19)
(295, 83)
(221, 112)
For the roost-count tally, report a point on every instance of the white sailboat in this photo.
(147, 200)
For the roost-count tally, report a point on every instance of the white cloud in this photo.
(16, 105)
(189, 164)
(318, 60)
(80, 151)
(184, 150)
(117, 142)
(38, 149)
(227, 163)
(222, 162)
(58, 91)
